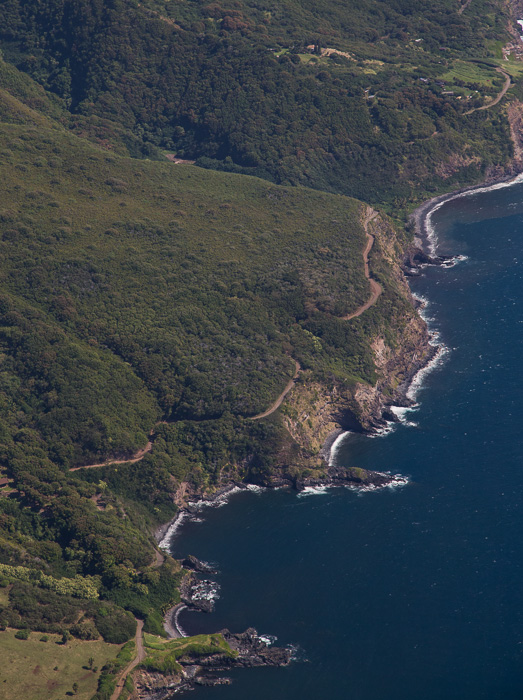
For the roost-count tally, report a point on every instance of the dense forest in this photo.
(146, 301)
(234, 86)
(140, 300)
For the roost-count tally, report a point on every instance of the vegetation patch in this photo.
(163, 656)
(47, 671)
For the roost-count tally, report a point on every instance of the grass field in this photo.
(35, 670)
(512, 66)
(472, 73)
(203, 640)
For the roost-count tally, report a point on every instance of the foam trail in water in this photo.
(336, 446)
(176, 621)
(402, 412)
(173, 527)
(253, 488)
(419, 378)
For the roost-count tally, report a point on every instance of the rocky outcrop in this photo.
(351, 476)
(198, 594)
(201, 567)
(249, 650)
(415, 259)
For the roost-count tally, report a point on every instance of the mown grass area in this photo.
(36, 670)
(4, 595)
(513, 66)
(151, 641)
(472, 73)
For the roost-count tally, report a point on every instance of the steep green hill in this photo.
(139, 296)
(149, 310)
(233, 85)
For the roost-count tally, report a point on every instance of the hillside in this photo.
(153, 313)
(374, 109)
(145, 300)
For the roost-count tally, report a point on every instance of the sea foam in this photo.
(171, 531)
(335, 447)
(177, 624)
(313, 491)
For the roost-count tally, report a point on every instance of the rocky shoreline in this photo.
(249, 650)
(332, 476)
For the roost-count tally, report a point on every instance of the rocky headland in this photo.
(247, 650)
(317, 410)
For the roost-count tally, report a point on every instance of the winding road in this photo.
(375, 288)
(135, 458)
(280, 398)
(464, 6)
(140, 656)
(508, 81)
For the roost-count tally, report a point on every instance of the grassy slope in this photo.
(28, 666)
(162, 655)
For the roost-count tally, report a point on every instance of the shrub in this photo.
(115, 625)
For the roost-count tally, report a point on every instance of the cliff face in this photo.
(400, 346)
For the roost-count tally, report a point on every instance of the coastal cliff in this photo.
(318, 407)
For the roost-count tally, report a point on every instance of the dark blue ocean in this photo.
(414, 593)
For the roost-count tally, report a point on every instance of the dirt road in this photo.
(495, 101)
(280, 398)
(140, 656)
(375, 288)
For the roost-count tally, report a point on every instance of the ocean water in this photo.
(413, 593)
